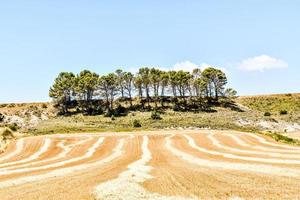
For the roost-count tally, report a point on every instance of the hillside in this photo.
(25, 116)
(40, 118)
(272, 103)
(277, 105)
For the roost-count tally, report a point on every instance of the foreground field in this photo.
(194, 164)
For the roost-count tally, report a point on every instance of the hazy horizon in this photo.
(256, 43)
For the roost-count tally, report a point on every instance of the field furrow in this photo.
(154, 165)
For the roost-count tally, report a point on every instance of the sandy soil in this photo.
(150, 165)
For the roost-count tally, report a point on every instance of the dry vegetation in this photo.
(221, 119)
(25, 116)
(25, 108)
(6, 135)
(281, 106)
(41, 118)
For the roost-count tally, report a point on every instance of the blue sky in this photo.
(256, 42)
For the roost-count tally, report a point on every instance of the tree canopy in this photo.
(148, 85)
(63, 89)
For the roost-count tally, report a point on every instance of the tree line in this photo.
(149, 88)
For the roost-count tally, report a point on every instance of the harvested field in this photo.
(194, 164)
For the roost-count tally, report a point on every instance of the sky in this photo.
(257, 43)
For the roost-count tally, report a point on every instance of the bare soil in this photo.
(186, 164)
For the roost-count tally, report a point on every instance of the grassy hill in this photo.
(221, 119)
(277, 105)
(40, 118)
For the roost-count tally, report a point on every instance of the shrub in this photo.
(97, 110)
(13, 126)
(120, 111)
(176, 108)
(283, 138)
(1, 117)
(109, 113)
(267, 114)
(7, 133)
(44, 106)
(136, 123)
(11, 105)
(155, 115)
(3, 105)
(112, 118)
(283, 112)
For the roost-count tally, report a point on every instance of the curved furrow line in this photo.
(36, 155)
(18, 150)
(31, 146)
(116, 152)
(65, 150)
(263, 148)
(87, 155)
(127, 185)
(241, 143)
(243, 140)
(256, 168)
(232, 156)
(263, 140)
(218, 144)
(73, 135)
(169, 178)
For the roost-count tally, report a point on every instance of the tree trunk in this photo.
(162, 96)
(216, 92)
(122, 92)
(107, 103)
(130, 98)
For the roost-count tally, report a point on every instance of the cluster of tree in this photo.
(149, 86)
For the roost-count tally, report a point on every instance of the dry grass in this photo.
(23, 108)
(274, 104)
(222, 119)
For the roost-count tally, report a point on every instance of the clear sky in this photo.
(257, 42)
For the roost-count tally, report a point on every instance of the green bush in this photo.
(136, 123)
(283, 112)
(267, 114)
(155, 115)
(283, 138)
(13, 126)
